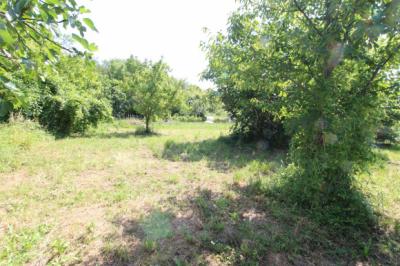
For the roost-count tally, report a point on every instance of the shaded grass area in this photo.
(241, 226)
(138, 132)
(187, 195)
(222, 153)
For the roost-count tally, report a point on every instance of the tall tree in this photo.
(323, 63)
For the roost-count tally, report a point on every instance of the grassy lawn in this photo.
(188, 195)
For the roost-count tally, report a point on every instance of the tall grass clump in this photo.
(17, 137)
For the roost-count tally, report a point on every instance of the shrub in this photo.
(74, 114)
(70, 100)
(252, 124)
(241, 74)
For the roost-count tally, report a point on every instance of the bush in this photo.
(220, 119)
(241, 74)
(338, 204)
(75, 114)
(253, 125)
(67, 99)
(389, 130)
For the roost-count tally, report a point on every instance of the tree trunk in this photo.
(147, 119)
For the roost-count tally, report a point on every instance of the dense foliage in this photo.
(115, 76)
(72, 98)
(241, 69)
(319, 67)
(30, 36)
(125, 84)
(75, 93)
(197, 103)
(389, 129)
(154, 92)
(67, 99)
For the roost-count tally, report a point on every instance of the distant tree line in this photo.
(123, 78)
(77, 93)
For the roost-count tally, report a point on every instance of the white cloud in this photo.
(152, 29)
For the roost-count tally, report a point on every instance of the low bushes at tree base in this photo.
(337, 203)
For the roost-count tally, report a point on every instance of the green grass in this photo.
(187, 195)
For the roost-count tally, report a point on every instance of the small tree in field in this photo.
(155, 93)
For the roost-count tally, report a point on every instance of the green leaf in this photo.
(88, 46)
(53, 2)
(81, 40)
(5, 108)
(43, 14)
(5, 37)
(52, 15)
(20, 6)
(83, 10)
(93, 47)
(90, 24)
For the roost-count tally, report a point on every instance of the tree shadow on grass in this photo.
(223, 153)
(242, 226)
(138, 133)
(388, 147)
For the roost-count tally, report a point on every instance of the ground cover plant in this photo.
(115, 197)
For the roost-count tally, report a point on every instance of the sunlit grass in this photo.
(185, 194)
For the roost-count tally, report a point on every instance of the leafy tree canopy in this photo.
(155, 93)
(320, 67)
(30, 33)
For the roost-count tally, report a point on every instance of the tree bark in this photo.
(147, 119)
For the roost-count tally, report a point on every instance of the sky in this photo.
(151, 29)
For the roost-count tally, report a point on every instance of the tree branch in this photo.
(302, 11)
(39, 20)
(47, 38)
(380, 67)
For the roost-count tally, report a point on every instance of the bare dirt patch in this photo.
(11, 180)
